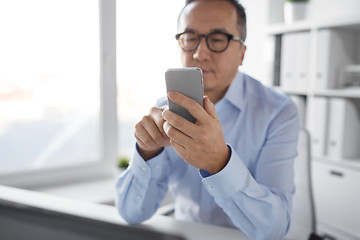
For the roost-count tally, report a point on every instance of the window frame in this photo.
(108, 119)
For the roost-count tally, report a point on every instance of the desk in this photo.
(105, 213)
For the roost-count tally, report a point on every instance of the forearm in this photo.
(257, 210)
(141, 188)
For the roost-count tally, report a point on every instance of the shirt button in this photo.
(138, 197)
(144, 169)
(157, 166)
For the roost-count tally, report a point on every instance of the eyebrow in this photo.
(215, 30)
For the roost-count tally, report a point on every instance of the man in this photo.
(232, 167)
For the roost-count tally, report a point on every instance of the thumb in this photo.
(210, 107)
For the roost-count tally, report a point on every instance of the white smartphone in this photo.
(188, 81)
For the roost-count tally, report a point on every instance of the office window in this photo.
(49, 84)
(146, 47)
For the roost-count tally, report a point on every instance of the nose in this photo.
(202, 53)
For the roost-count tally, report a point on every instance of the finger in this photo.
(180, 150)
(143, 138)
(179, 123)
(153, 130)
(156, 114)
(210, 107)
(189, 104)
(177, 136)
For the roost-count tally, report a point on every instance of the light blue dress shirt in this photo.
(252, 192)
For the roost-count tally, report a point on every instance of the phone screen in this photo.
(188, 81)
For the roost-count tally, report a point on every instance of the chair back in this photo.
(303, 214)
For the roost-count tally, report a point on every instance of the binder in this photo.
(295, 56)
(287, 61)
(335, 49)
(344, 129)
(318, 120)
(302, 56)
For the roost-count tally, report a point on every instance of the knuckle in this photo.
(181, 98)
(145, 119)
(158, 138)
(138, 127)
(178, 121)
(153, 110)
(148, 142)
(192, 107)
(204, 138)
(196, 147)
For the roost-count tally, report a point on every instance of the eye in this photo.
(189, 37)
(218, 38)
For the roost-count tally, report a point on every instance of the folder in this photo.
(302, 59)
(335, 49)
(317, 119)
(287, 61)
(344, 129)
(295, 56)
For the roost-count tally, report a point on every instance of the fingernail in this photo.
(166, 126)
(207, 98)
(171, 94)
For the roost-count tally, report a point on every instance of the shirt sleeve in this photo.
(141, 188)
(260, 205)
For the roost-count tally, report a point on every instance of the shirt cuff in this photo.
(230, 179)
(150, 168)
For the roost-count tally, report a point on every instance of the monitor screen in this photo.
(20, 221)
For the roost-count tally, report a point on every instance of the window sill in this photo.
(101, 190)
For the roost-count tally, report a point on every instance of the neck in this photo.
(215, 96)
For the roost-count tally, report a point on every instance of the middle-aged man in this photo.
(232, 167)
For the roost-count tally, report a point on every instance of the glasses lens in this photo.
(188, 41)
(217, 41)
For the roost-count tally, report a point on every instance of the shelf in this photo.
(306, 25)
(344, 93)
(291, 91)
(352, 164)
(280, 28)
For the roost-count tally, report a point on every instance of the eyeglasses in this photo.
(216, 41)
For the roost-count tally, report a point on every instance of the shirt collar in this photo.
(235, 92)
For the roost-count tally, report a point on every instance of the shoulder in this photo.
(273, 107)
(264, 97)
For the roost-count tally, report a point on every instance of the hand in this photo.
(202, 143)
(150, 135)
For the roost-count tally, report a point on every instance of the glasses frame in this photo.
(206, 36)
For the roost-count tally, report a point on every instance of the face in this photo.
(219, 69)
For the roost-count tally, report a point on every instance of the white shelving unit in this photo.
(310, 69)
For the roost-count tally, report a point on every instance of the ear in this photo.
(242, 54)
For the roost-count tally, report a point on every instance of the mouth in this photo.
(206, 71)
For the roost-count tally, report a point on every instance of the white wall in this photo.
(325, 9)
(259, 53)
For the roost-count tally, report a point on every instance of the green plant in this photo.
(123, 162)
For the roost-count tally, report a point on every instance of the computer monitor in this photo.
(20, 221)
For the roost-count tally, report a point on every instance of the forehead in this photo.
(204, 16)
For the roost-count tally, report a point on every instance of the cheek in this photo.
(185, 59)
(229, 66)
